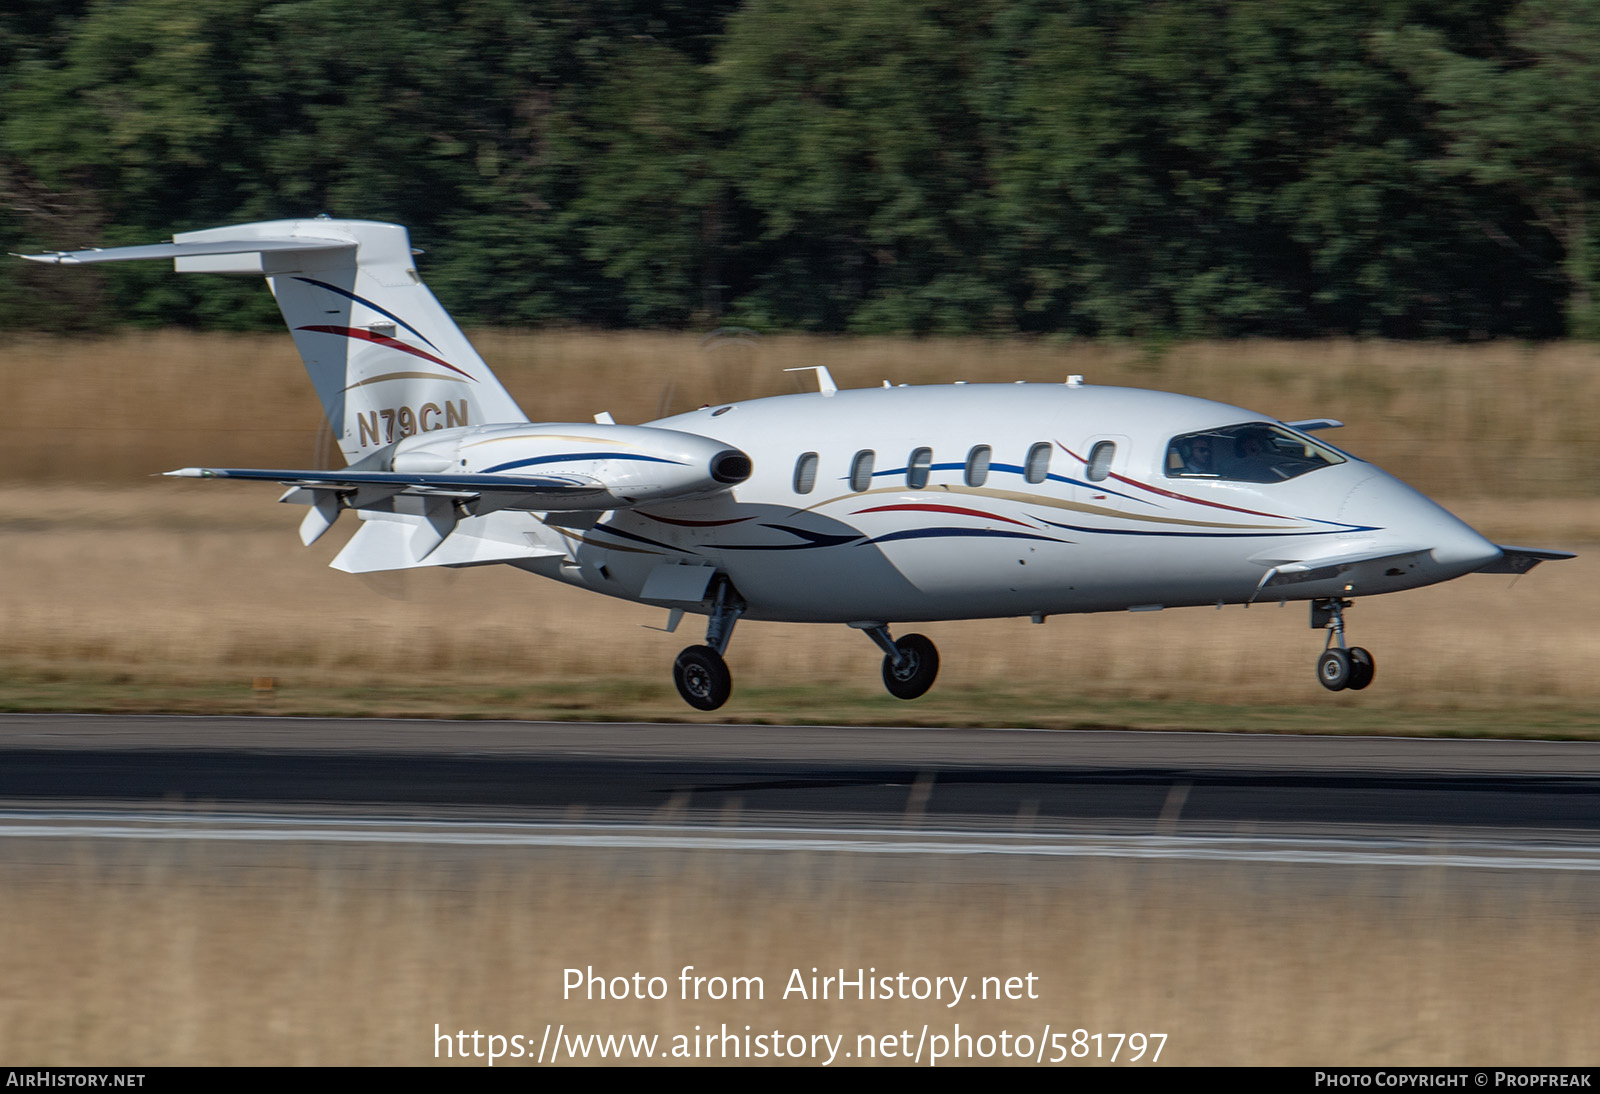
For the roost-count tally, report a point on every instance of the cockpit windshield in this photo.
(1252, 452)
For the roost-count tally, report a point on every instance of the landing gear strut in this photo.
(700, 673)
(1339, 667)
(909, 665)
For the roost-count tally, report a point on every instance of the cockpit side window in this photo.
(1251, 452)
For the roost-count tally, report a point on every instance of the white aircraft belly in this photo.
(911, 572)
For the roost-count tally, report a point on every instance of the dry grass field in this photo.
(352, 957)
(1501, 420)
(132, 594)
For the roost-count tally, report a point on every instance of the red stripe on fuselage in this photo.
(1178, 497)
(940, 509)
(1198, 501)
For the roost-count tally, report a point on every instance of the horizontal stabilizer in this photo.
(1519, 560)
(188, 250)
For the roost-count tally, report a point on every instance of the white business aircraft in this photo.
(861, 507)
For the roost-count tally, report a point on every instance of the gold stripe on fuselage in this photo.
(1057, 503)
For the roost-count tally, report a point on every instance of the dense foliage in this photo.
(1404, 168)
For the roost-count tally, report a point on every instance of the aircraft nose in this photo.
(1455, 547)
(1462, 549)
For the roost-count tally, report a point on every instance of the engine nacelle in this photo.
(608, 466)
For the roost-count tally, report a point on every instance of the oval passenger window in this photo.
(978, 465)
(917, 468)
(1037, 468)
(861, 470)
(805, 473)
(1100, 457)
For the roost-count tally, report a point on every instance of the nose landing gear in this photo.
(1339, 667)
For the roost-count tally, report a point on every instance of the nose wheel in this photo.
(1340, 667)
(1362, 668)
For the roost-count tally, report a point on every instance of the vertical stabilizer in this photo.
(386, 359)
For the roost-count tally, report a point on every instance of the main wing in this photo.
(442, 499)
(537, 493)
(580, 468)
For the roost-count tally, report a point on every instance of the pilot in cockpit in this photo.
(1198, 458)
(1251, 454)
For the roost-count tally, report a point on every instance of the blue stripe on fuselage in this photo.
(1199, 535)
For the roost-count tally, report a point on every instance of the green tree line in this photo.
(1397, 168)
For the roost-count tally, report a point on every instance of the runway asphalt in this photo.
(838, 778)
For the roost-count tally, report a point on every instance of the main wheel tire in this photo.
(919, 664)
(1333, 670)
(702, 677)
(1362, 668)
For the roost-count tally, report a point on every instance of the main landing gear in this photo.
(1339, 667)
(700, 672)
(909, 665)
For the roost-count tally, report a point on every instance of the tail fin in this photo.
(386, 359)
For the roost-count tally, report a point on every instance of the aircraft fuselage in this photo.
(939, 528)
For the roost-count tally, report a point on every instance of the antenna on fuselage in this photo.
(825, 382)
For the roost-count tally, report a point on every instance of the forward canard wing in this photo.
(1283, 572)
(1519, 560)
(1280, 572)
